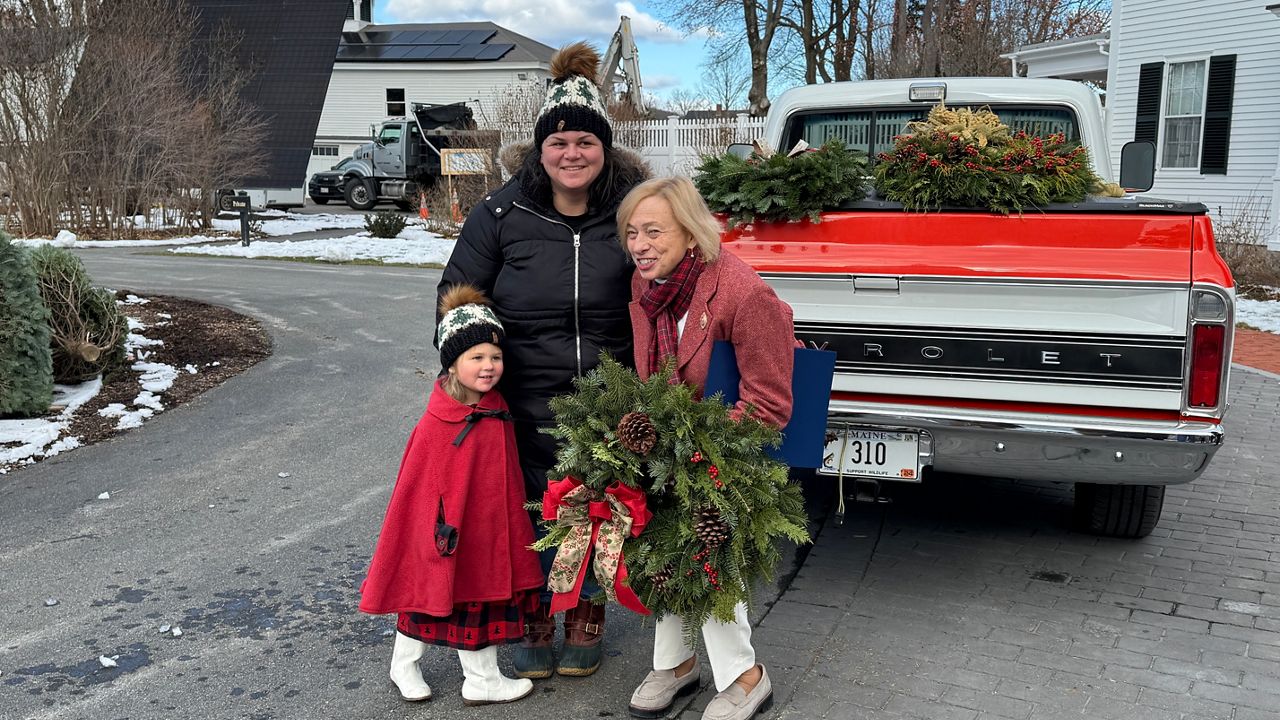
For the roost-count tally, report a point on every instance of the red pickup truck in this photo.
(1088, 342)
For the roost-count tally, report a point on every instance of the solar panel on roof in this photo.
(493, 52)
(398, 52)
(478, 37)
(432, 37)
(455, 37)
(408, 37)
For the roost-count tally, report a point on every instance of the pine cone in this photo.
(636, 433)
(662, 577)
(710, 528)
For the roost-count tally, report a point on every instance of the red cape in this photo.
(483, 492)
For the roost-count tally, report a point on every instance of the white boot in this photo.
(485, 683)
(405, 672)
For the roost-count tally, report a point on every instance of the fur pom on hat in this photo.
(574, 101)
(466, 320)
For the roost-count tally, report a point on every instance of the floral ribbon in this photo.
(600, 522)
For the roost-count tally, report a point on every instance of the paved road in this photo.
(965, 599)
(970, 600)
(259, 571)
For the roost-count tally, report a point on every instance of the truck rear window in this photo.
(872, 130)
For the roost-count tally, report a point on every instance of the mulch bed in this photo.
(218, 342)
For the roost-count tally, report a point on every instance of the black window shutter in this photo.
(1217, 114)
(1146, 126)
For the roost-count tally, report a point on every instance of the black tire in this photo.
(1124, 511)
(320, 201)
(359, 194)
(224, 200)
(406, 205)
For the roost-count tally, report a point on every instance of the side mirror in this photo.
(1137, 166)
(740, 150)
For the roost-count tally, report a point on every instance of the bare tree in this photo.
(682, 100)
(724, 80)
(104, 115)
(967, 37)
(826, 34)
(756, 21)
(43, 43)
(224, 145)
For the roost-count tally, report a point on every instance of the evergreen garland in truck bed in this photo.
(969, 158)
(778, 187)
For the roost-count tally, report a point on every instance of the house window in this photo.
(1183, 115)
(325, 151)
(395, 101)
(1185, 110)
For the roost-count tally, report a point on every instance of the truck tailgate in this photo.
(1044, 308)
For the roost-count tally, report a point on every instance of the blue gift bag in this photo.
(805, 435)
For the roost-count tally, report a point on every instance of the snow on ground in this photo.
(274, 223)
(414, 246)
(25, 441)
(1262, 314)
(292, 224)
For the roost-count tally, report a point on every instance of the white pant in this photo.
(728, 646)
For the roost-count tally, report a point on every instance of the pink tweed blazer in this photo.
(731, 303)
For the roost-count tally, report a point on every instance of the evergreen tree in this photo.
(26, 365)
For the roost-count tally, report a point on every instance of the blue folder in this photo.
(805, 435)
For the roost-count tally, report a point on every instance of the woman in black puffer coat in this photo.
(544, 249)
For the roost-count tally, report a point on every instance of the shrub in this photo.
(385, 224)
(440, 216)
(26, 367)
(781, 187)
(968, 158)
(87, 329)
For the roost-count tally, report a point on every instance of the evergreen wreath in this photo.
(782, 187)
(970, 158)
(718, 500)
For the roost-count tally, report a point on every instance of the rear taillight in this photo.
(1208, 344)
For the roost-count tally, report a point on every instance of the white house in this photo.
(381, 68)
(1201, 80)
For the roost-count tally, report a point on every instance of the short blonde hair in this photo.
(687, 207)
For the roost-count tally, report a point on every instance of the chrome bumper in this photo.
(1014, 445)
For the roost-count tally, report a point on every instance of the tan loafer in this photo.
(659, 690)
(736, 704)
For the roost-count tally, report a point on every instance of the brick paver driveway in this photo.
(974, 600)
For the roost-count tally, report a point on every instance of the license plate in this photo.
(328, 190)
(864, 452)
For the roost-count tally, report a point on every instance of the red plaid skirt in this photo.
(473, 625)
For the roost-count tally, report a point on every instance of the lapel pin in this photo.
(702, 323)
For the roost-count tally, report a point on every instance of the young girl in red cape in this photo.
(453, 559)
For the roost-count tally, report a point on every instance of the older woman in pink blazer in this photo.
(686, 295)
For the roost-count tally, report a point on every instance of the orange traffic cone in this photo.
(423, 212)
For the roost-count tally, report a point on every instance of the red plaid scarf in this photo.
(665, 303)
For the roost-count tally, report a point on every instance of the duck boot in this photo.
(583, 638)
(533, 657)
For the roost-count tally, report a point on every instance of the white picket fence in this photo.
(672, 146)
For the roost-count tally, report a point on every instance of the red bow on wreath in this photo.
(600, 522)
